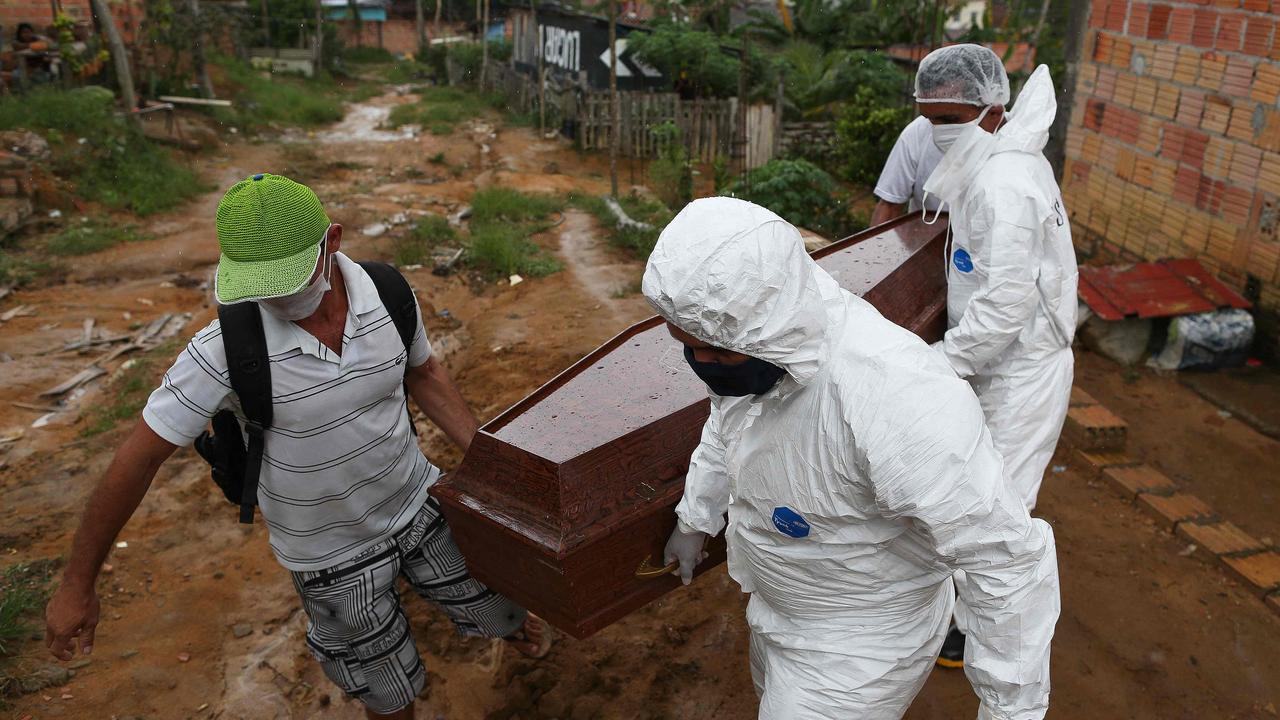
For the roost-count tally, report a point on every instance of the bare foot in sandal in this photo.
(533, 639)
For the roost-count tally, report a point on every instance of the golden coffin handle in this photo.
(648, 572)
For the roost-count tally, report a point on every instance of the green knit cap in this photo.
(269, 229)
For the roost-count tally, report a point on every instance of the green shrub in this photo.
(865, 133)
(799, 192)
(105, 156)
(91, 236)
(670, 174)
(692, 59)
(16, 270)
(428, 233)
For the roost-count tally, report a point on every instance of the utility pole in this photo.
(614, 110)
(197, 50)
(118, 55)
(484, 45)
(420, 23)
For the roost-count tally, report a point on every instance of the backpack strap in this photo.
(245, 344)
(397, 297)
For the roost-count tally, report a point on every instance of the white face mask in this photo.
(967, 153)
(944, 136)
(303, 303)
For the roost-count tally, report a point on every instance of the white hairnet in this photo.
(969, 74)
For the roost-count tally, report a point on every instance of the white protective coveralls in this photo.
(855, 487)
(1011, 282)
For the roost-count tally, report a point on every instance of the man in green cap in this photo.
(342, 484)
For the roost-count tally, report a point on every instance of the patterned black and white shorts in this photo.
(357, 630)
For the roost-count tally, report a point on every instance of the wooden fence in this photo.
(708, 126)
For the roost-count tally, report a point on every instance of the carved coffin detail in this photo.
(565, 496)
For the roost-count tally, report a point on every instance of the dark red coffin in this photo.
(564, 502)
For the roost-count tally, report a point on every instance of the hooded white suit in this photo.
(855, 487)
(1011, 282)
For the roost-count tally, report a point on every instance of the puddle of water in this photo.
(363, 123)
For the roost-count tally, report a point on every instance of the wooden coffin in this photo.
(564, 502)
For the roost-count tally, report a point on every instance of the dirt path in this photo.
(200, 622)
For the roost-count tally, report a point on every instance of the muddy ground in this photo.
(1147, 629)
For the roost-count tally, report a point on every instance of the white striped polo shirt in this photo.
(342, 469)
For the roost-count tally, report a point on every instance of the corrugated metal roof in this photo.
(1156, 289)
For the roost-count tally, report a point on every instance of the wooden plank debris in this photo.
(80, 378)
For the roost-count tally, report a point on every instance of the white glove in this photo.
(687, 548)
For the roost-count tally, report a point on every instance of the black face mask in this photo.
(752, 377)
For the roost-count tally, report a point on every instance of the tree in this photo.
(692, 60)
(123, 75)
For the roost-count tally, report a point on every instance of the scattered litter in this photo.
(20, 311)
(445, 314)
(1059, 468)
(66, 696)
(241, 630)
(126, 315)
(411, 268)
(55, 214)
(184, 657)
(146, 301)
(122, 544)
(33, 406)
(167, 284)
(1207, 341)
(1187, 551)
(399, 218)
(445, 263)
(11, 437)
(1224, 414)
(497, 348)
(515, 280)
(373, 230)
(624, 221)
(202, 707)
(80, 378)
(108, 568)
(44, 420)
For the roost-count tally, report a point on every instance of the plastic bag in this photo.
(1206, 341)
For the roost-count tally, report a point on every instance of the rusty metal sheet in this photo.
(1157, 289)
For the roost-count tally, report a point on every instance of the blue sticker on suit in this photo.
(789, 522)
(964, 263)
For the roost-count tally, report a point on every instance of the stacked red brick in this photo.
(1174, 146)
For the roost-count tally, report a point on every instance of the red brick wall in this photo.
(398, 36)
(1174, 144)
(40, 14)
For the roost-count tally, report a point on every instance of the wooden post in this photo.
(319, 41)
(121, 60)
(742, 97)
(266, 25)
(542, 70)
(197, 50)
(613, 98)
(435, 27)
(419, 24)
(484, 45)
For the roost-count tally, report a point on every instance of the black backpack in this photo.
(235, 468)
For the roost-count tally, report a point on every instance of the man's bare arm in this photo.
(886, 211)
(73, 610)
(434, 391)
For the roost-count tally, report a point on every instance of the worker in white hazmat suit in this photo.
(858, 476)
(1011, 268)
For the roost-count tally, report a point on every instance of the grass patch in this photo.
(440, 109)
(91, 236)
(23, 591)
(17, 270)
(408, 71)
(107, 158)
(437, 159)
(367, 54)
(264, 99)
(638, 241)
(428, 233)
(506, 250)
(128, 391)
(502, 221)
